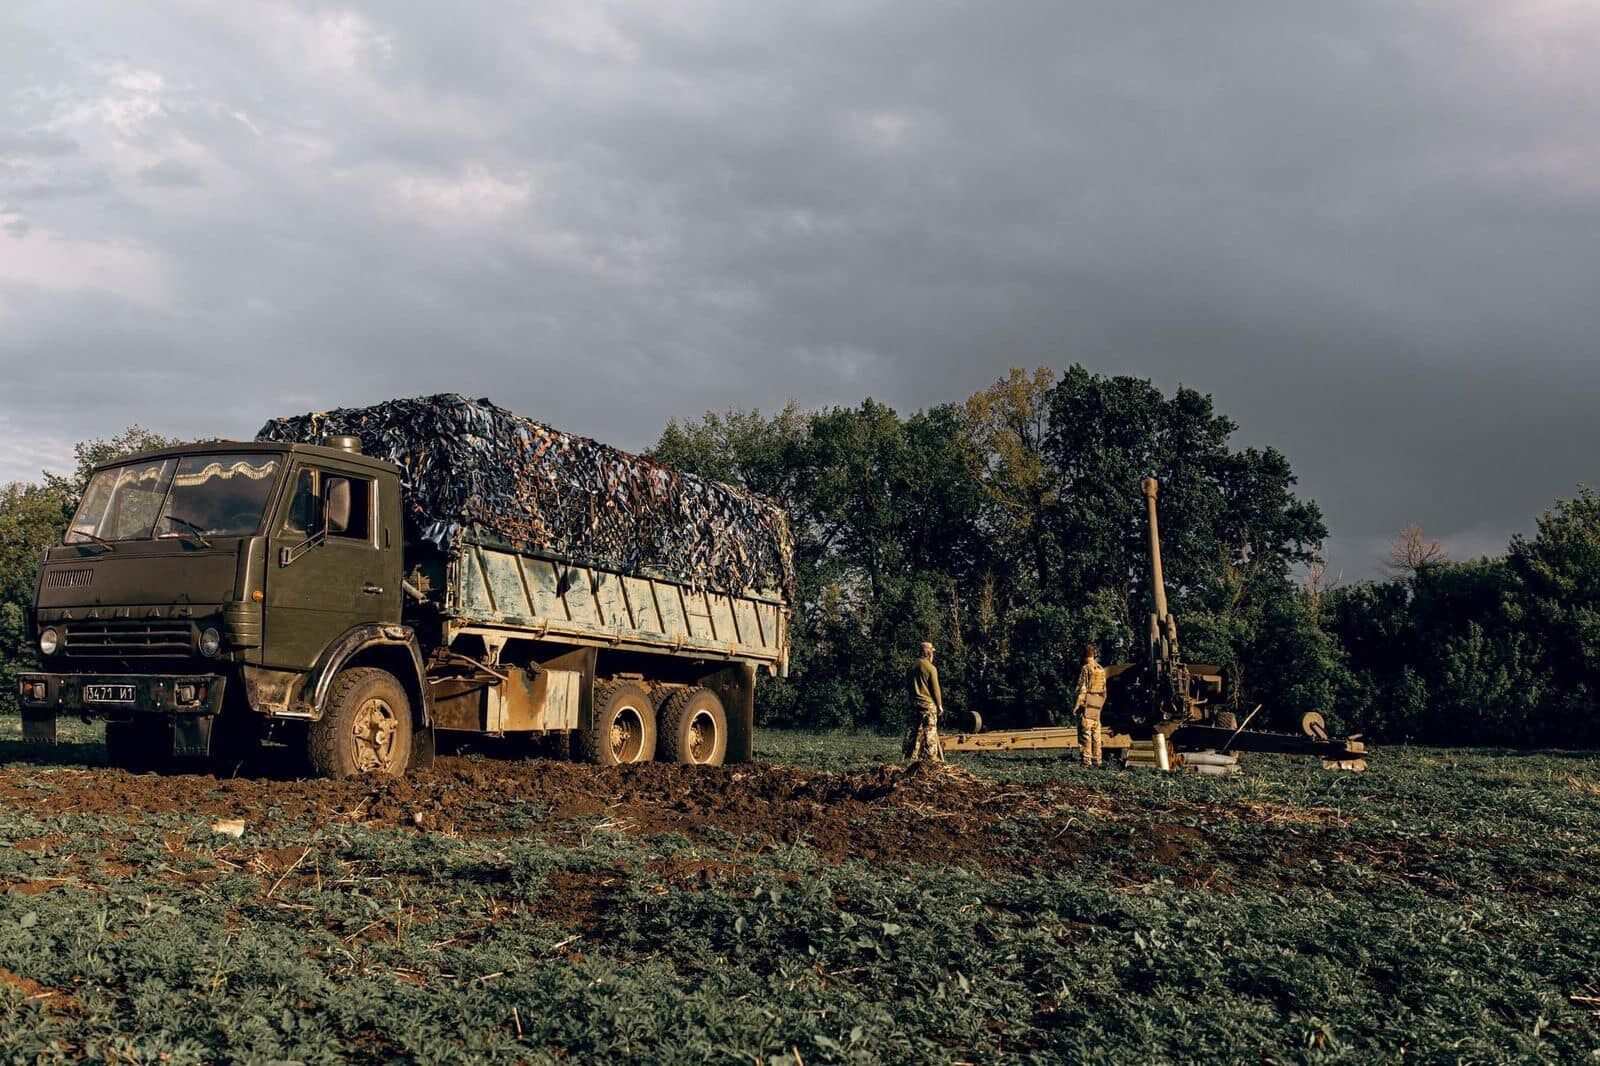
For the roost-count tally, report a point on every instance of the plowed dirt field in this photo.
(821, 904)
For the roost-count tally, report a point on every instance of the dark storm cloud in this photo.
(1366, 229)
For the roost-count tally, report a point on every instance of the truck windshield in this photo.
(220, 495)
(121, 503)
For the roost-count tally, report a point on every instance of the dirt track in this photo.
(878, 814)
(882, 814)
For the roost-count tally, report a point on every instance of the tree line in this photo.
(1009, 530)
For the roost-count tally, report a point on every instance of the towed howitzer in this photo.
(1170, 686)
(1165, 700)
(1164, 706)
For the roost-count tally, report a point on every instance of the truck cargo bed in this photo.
(494, 588)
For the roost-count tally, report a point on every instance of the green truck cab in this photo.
(208, 597)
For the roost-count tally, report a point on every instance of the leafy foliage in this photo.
(1503, 651)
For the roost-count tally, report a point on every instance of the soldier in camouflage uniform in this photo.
(922, 739)
(1091, 698)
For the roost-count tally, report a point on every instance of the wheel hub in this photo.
(375, 730)
(702, 737)
(627, 735)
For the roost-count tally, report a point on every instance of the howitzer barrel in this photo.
(1151, 486)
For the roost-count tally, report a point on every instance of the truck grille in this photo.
(68, 579)
(122, 640)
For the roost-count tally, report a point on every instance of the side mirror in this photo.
(336, 505)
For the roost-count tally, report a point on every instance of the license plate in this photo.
(108, 693)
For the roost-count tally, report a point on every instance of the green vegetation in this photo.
(1440, 906)
(1500, 650)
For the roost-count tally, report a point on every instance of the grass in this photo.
(1441, 906)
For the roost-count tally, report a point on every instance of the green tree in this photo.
(1558, 604)
(1232, 529)
(1442, 655)
(1007, 424)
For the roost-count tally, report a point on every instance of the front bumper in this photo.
(182, 697)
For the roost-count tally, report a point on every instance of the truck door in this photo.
(325, 567)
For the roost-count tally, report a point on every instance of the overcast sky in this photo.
(1370, 230)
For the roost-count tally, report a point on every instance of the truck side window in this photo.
(302, 513)
(360, 527)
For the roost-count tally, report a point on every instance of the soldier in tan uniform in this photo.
(922, 739)
(1091, 698)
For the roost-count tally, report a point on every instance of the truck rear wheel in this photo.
(365, 729)
(694, 728)
(622, 727)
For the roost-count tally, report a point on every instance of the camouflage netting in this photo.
(473, 469)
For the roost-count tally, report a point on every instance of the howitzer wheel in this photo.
(1313, 725)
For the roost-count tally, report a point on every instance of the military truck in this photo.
(208, 597)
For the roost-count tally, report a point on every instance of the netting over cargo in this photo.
(471, 468)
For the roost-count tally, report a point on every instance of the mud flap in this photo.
(39, 726)
(423, 749)
(735, 685)
(191, 735)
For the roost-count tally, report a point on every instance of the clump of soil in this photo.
(882, 814)
(28, 990)
(886, 813)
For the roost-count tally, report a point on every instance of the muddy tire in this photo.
(694, 728)
(365, 729)
(138, 747)
(622, 727)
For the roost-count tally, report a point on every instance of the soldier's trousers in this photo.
(922, 739)
(1090, 736)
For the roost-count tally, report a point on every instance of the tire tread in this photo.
(323, 738)
(673, 717)
(594, 741)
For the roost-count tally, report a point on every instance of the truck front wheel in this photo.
(694, 728)
(365, 729)
(622, 727)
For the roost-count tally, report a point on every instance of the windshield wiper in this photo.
(198, 531)
(103, 542)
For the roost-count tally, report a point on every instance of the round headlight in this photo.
(49, 641)
(210, 643)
